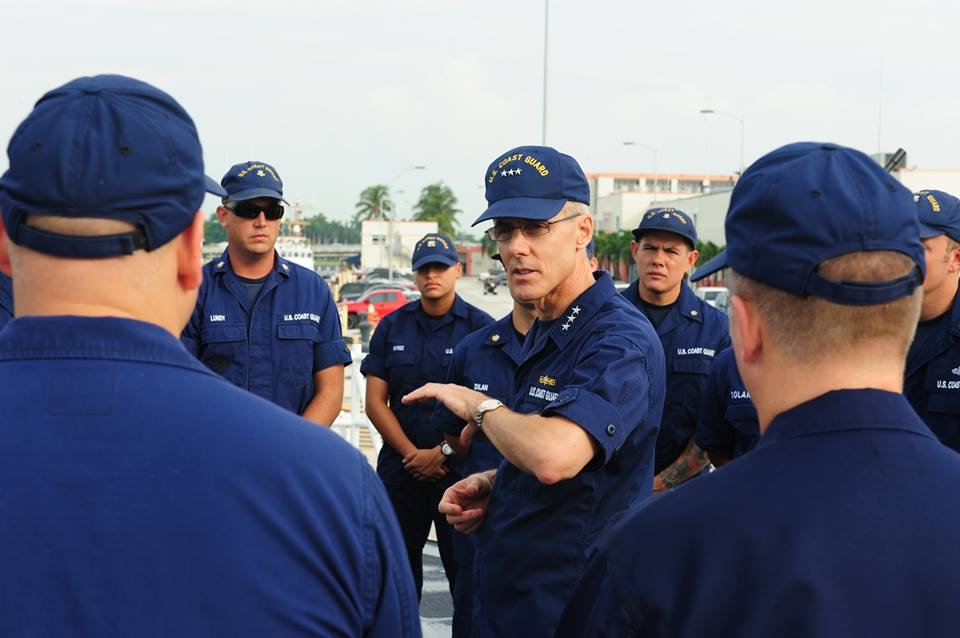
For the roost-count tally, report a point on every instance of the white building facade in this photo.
(618, 200)
(376, 244)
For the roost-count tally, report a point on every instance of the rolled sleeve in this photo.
(714, 433)
(331, 353)
(594, 414)
(375, 363)
(331, 349)
(609, 394)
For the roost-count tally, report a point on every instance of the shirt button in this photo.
(611, 429)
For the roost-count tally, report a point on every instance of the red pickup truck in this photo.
(384, 300)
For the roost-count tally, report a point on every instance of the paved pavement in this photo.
(496, 305)
(436, 606)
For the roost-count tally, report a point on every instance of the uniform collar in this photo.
(955, 316)
(501, 334)
(459, 308)
(6, 293)
(846, 410)
(281, 266)
(936, 343)
(577, 315)
(93, 338)
(688, 304)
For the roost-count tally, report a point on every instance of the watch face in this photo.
(446, 449)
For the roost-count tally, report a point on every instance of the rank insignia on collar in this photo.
(571, 318)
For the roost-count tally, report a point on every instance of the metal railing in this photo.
(350, 423)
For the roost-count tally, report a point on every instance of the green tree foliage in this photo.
(613, 246)
(438, 204)
(708, 250)
(374, 203)
(320, 230)
(213, 232)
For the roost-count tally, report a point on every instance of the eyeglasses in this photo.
(530, 228)
(250, 210)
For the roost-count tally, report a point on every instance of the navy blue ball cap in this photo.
(108, 147)
(671, 220)
(434, 248)
(939, 214)
(807, 202)
(250, 180)
(532, 182)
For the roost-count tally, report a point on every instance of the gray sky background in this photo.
(341, 95)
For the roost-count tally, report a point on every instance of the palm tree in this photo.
(374, 203)
(439, 204)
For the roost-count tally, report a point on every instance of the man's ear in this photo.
(746, 329)
(189, 254)
(5, 266)
(953, 266)
(635, 251)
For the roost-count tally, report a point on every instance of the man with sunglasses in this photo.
(692, 333)
(579, 431)
(264, 323)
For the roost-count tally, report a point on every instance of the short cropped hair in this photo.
(810, 328)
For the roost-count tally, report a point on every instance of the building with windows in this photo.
(618, 200)
(382, 239)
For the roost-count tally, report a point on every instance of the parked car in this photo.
(352, 290)
(722, 302)
(710, 293)
(384, 300)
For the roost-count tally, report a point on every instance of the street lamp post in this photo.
(656, 179)
(546, 24)
(393, 217)
(734, 117)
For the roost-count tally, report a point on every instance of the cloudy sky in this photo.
(341, 95)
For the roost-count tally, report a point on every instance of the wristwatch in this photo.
(447, 450)
(485, 406)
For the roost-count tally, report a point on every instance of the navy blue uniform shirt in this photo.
(6, 300)
(692, 334)
(484, 361)
(600, 365)
(145, 496)
(932, 383)
(408, 349)
(728, 421)
(274, 347)
(841, 522)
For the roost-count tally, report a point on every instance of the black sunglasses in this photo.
(249, 210)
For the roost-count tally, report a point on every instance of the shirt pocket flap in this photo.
(692, 365)
(221, 333)
(400, 359)
(740, 412)
(298, 330)
(944, 402)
